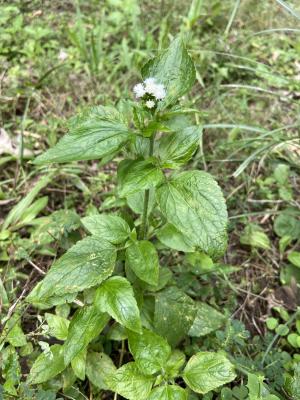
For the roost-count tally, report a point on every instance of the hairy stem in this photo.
(144, 225)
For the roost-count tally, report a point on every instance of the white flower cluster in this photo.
(151, 87)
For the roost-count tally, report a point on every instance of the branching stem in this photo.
(144, 225)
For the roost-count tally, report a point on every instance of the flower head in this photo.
(150, 87)
(150, 103)
(139, 90)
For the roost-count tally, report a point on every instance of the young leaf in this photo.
(115, 296)
(109, 227)
(168, 392)
(150, 351)
(174, 69)
(85, 326)
(173, 155)
(47, 366)
(207, 320)
(78, 364)
(193, 202)
(137, 175)
(92, 135)
(58, 326)
(142, 258)
(174, 363)
(86, 264)
(98, 369)
(130, 383)
(173, 308)
(206, 371)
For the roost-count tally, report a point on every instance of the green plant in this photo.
(115, 271)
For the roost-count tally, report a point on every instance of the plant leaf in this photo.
(207, 320)
(85, 326)
(294, 258)
(46, 367)
(98, 369)
(193, 202)
(86, 264)
(137, 175)
(168, 392)
(206, 371)
(174, 69)
(150, 351)
(142, 258)
(94, 134)
(109, 227)
(58, 326)
(79, 363)
(115, 296)
(130, 383)
(174, 363)
(174, 239)
(173, 155)
(173, 308)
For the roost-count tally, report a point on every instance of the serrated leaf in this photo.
(206, 321)
(115, 296)
(174, 239)
(174, 363)
(46, 366)
(79, 363)
(51, 301)
(168, 392)
(150, 351)
(137, 175)
(174, 69)
(142, 258)
(173, 155)
(173, 308)
(58, 326)
(109, 227)
(130, 383)
(98, 369)
(13, 333)
(92, 135)
(86, 325)
(206, 371)
(193, 202)
(85, 264)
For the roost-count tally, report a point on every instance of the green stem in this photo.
(144, 225)
(22, 130)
